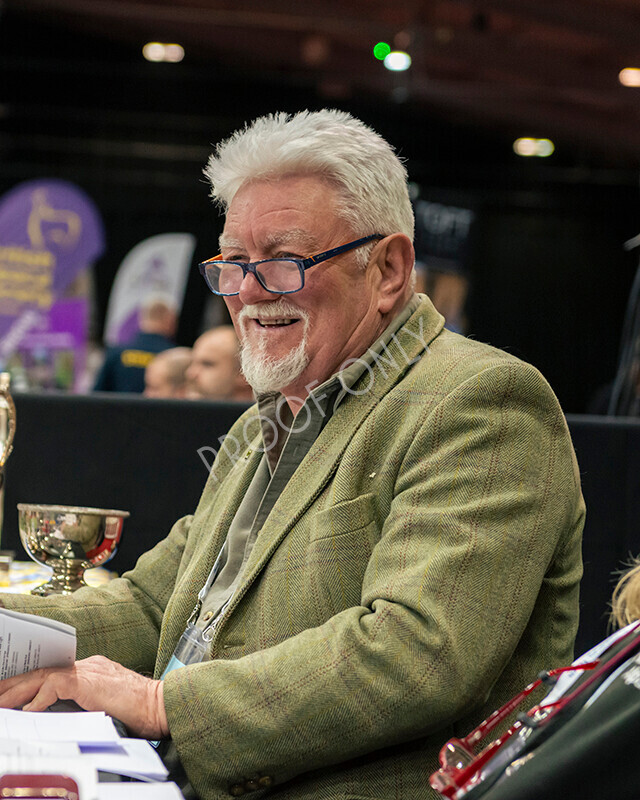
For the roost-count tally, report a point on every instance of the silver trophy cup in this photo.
(7, 431)
(70, 540)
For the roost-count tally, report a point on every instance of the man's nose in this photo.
(252, 291)
(191, 371)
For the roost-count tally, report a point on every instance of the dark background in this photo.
(549, 275)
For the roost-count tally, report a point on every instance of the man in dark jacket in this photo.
(124, 366)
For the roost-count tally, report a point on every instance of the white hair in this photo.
(370, 178)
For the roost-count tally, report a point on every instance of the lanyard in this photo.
(215, 571)
(193, 644)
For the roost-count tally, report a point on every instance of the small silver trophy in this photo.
(7, 432)
(70, 540)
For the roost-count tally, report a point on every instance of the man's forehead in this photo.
(271, 239)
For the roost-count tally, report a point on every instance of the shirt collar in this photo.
(338, 385)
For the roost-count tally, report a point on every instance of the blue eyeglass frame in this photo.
(302, 263)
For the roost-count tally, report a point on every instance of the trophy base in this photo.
(52, 588)
(66, 579)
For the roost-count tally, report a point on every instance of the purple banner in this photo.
(50, 233)
(52, 354)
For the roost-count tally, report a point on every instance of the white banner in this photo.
(157, 266)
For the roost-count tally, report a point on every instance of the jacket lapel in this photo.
(408, 345)
(211, 531)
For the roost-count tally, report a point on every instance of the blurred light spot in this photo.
(153, 51)
(527, 146)
(402, 40)
(314, 50)
(397, 61)
(629, 76)
(545, 147)
(381, 50)
(173, 53)
(157, 51)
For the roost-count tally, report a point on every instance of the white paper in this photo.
(76, 743)
(85, 727)
(17, 747)
(567, 679)
(135, 758)
(28, 642)
(139, 791)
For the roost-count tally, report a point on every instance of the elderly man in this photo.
(214, 372)
(388, 545)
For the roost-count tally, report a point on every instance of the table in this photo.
(26, 575)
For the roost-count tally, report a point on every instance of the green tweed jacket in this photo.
(421, 566)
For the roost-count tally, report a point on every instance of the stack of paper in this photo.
(74, 744)
(87, 727)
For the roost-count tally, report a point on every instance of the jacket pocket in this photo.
(341, 540)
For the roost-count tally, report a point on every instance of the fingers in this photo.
(21, 689)
(96, 684)
(45, 697)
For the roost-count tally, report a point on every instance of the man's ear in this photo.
(394, 258)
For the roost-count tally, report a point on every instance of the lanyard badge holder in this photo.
(191, 648)
(193, 644)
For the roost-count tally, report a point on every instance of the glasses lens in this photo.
(224, 278)
(455, 754)
(280, 275)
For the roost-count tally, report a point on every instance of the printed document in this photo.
(78, 742)
(29, 642)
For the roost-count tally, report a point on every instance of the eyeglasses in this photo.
(462, 771)
(277, 275)
(461, 767)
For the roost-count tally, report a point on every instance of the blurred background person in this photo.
(166, 374)
(214, 372)
(124, 366)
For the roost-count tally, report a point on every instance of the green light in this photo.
(381, 51)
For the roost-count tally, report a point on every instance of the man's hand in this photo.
(96, 684)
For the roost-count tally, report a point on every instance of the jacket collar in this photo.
(409, 345)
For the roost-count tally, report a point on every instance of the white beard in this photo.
(263, 372)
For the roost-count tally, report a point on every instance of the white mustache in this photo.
(276, 308)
